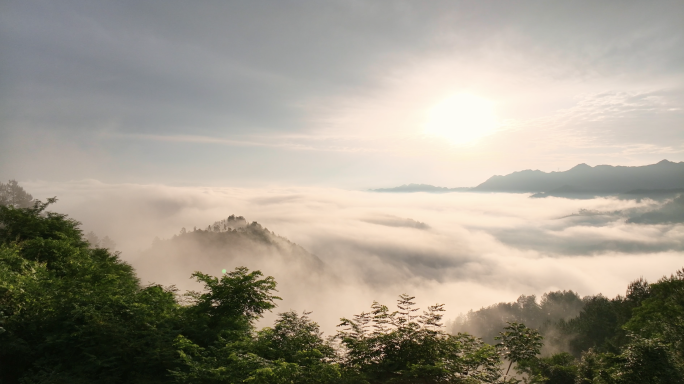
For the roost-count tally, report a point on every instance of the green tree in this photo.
(661, 313)
(12, 194)
(648, 361)
(598, 326)
(216, 344)
(228, 306)
(75, 314)
(294, 339)
(643, 361)
(560, 368)
(404, 347)
(518, 343)
(297, 350)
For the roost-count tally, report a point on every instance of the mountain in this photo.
(225, 245)
(410, 188)
(584, 179)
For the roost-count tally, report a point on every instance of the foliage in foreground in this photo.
(70, 313)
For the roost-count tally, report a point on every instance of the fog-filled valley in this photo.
(334, 251)
(557, 288)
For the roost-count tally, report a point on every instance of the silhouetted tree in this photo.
(12, 194)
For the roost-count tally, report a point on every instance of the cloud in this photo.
(286, 91)
(594, 240)
(277, 199)
(669, 213)
(393, 221)
(479, 248)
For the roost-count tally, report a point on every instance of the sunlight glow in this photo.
(461, 119)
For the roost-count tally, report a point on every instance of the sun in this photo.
(461, 119)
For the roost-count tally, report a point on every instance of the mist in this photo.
(467, 250)
(511, 161)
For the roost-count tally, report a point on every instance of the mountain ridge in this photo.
(665, 177)
(598, 179)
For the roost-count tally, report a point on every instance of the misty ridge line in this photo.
(582, 181)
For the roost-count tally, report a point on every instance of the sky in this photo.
(336, 94)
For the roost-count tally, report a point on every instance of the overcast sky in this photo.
(335, 93)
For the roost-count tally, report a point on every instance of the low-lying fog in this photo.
(466, 250)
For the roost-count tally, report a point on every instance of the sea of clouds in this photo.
(466, 250)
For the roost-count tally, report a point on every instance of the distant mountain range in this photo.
(664, 178)
(583, 178)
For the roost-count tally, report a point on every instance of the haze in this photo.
(467, 250)
(146, 118)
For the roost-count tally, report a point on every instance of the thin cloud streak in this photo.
(284, 142)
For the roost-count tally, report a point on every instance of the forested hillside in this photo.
(544, 315)
(596, 331)
(228, 243)
(72, 313)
